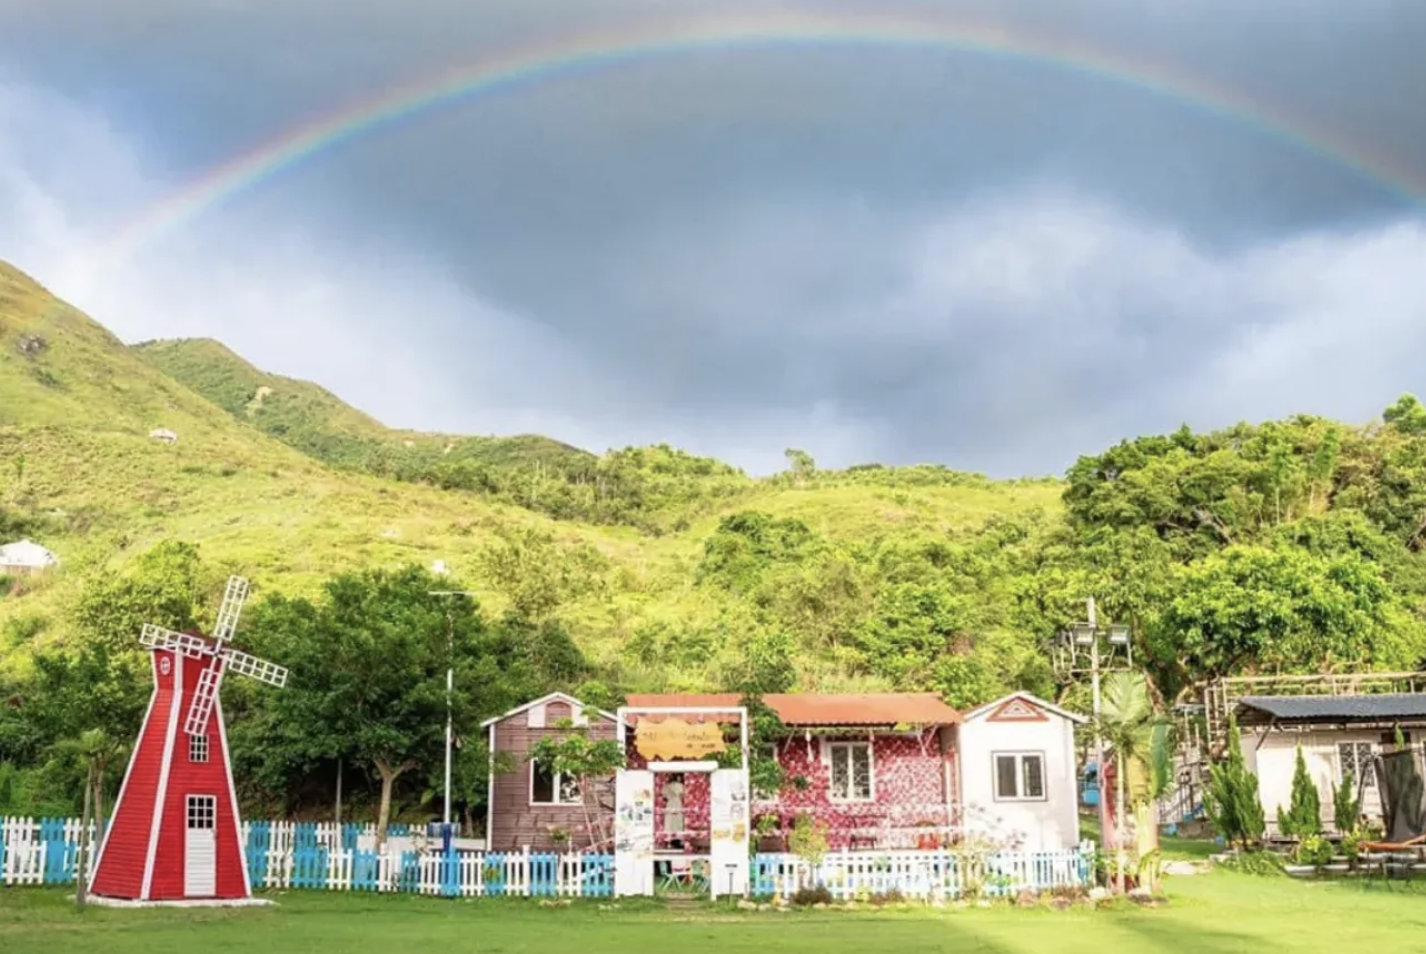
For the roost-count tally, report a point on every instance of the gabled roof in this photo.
(1036, 701)
(1383, 707)
(573, 703)
(26, 553)
(815, 709)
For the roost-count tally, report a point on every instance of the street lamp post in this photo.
(450, 686)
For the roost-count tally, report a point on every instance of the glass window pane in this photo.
(1034, 777)
(542, 790)
(841, 780)
(1005, 779)
(861, 771)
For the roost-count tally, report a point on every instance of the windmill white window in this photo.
(197, 748)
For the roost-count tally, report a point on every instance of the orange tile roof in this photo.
(810, 709)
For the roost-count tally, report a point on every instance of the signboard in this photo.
(676, 739)
(634, 832)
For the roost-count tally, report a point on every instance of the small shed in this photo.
(1018, 772)
(26, 557)
(527, 805)
(163, 434)
(1338, 734)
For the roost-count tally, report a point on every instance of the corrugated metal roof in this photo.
(1383, 706)
(811, 709)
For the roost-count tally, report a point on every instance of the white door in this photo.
(200, 855)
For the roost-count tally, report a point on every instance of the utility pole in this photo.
(1086, 648)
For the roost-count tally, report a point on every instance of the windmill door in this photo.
(200, 849)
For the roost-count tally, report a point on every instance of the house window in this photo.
(1356, 757)
(1019, 777)
(552, 788)
(197, 748)
(851, 771)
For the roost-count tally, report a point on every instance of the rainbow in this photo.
(574, 55)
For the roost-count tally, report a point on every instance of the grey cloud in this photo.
(870, 253)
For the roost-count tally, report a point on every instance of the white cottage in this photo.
(1338, 734)
(1017, 765)
(25, 557)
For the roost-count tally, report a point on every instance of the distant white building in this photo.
(25, 557)
(164, 434)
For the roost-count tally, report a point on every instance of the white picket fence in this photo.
(285, 855)
(937, 875)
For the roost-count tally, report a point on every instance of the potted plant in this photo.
(928, 840)
(769, 836)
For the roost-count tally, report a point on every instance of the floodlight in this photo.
(1119, 635)
(1083, 633)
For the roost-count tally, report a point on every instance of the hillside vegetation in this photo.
(1287, 546)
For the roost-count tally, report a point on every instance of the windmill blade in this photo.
(156, 637)
(233, 598)
(254, 668)
(205, 695)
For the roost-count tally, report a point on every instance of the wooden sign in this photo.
(676, 739)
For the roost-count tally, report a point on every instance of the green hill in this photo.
(675, 585)
(315, 421)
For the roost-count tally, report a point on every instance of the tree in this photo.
(1232, 796)
(1346, 808)
(1304, 813)
(93, 752)
(1128, 723)
(570, 753)
(1407, 415)
(368, 676)
(800, 463)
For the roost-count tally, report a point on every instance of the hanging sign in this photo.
(674, 739)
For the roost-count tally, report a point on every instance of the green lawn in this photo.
(1221, 913)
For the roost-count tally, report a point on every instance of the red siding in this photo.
(514, 822)
(120, 871)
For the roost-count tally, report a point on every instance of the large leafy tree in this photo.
(368, 668)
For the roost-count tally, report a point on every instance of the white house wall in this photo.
(1050, 824)
(1272, 757)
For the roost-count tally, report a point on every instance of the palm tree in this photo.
(1137, 734)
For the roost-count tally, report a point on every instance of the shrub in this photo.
(1232, 796)
(1263, 863)
(1345, 807)
(807, 897)
(1304, 814)
(1315, 850)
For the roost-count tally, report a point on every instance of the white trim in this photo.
(233, 794)
(830, 748)
(574, 703)
(490, 792)
(556, 779)
(674, 768)
(979, 711)
(1019, 755)
(162, 791)
(129, 772)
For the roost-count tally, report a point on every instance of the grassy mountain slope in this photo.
(315, 421)
(78, 469)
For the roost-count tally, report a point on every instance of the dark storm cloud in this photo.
(868, 252)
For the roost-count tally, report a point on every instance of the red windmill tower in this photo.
(175, 833)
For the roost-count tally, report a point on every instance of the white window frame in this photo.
(1357, 747)
(1019, 758)
(198, 748)
(558, 782)
(833, 750)
(201, 808)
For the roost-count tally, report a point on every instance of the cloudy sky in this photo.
(872, 250)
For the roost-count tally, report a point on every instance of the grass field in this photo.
(1221, 913)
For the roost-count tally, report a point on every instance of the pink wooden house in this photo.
(882, 770)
